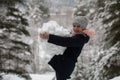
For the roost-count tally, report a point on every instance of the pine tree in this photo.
(15, 54)
(85, 8)
(107, 18)
(108, 13)
(111, 22)
(112, 19)
(39, 13)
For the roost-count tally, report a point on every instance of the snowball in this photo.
(49, 49)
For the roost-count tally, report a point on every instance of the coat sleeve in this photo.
(75, 41)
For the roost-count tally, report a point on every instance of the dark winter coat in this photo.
(64, 64)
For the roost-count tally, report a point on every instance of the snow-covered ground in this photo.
(116, 78)
(47, 76)
(11, 77)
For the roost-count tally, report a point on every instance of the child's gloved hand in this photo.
(44, 35)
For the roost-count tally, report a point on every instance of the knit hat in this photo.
(82, 21)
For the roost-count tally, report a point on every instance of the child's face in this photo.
(77, 28)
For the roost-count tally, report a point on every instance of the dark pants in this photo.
(64, 70)
(62, 66)
(60, 77)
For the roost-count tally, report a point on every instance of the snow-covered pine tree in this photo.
(85, 8)
(14, 52)
(39, 13)
(106, 65)
(112, 19)
(109, 11)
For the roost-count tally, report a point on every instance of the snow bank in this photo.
(47, 76)
(116, 78)
(11, 77)
(47, 49)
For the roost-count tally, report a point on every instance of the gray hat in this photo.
(81, 21)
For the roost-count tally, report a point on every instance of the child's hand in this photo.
(89, 32)
(44, 35)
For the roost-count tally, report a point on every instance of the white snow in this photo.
(1, 31)
(11, 77)
(92, 10)
(116, 78)
(47, 76)
(47, 50)
(55, 28)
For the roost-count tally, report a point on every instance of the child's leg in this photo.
(60, 77)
